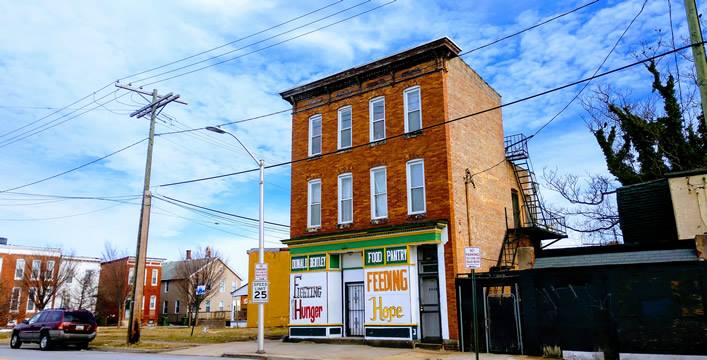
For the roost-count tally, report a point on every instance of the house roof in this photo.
(169, 269)
(617, 258)
(241, 291)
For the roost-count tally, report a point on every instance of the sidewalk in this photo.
(313, 351)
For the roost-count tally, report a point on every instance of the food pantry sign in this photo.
(387, 287)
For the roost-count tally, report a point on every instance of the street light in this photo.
(261, 228)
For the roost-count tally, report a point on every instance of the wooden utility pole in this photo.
(153, 109)
(698, 52)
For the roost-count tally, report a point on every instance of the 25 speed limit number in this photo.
(260, 292)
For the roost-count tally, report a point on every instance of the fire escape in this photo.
(532, 222)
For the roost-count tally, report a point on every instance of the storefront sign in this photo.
(374, 257)
(308, 298)
(299, 263)
(396, 255)
(388, 295)
(317, 262)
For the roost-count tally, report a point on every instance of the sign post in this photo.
(472, 260)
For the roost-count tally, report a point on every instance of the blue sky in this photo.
(54, 53)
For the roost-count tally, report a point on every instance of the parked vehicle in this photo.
(56, 326)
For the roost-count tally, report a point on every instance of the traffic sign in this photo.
(472, 257)
(260, 291)
(200, 290)
(261, 272)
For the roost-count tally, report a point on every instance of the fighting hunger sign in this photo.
(312, 295)
(390, 289)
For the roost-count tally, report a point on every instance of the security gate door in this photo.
(429, 308)
(355, 309)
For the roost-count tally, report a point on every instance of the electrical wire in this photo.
(68, 216)
(470, 115)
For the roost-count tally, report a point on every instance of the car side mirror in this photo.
(25, 321)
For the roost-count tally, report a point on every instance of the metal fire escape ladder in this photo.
(534, 216)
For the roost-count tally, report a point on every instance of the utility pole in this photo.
(698, 52)
(153, 108)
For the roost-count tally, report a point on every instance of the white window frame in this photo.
(49, 271)
(165, 307)
(22, 269)
(30, 300)
(166, 286)
(341, 199)
(36, 269)
(371, 119)
(153, 302)
(222, 286)
(408, 165)
(177, 304)
(309, 203)
(321, 136)
(373, 190)
(19, 299)
(155, 277)
(221, 305)
(405, 102)
(340, 129)
(131, 275)
(207, 305)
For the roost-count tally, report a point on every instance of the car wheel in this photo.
(44, 343)
(83, 346)
(15, 342)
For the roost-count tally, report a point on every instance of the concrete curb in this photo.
(263, 356)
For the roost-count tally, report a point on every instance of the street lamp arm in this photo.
(219, 130)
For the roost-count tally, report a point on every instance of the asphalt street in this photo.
(31, 352)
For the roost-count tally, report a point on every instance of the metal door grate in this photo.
(355, 309)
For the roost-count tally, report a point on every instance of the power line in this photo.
(523, 99)
(528, 28)
(218, 211)
(73, 169)
(586, 84)
(69, 216)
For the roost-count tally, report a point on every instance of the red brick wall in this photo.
(394, 154)
(120, 268)
(7, 282)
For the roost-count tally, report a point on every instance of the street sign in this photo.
(260, 291)
(472, 257)
(200, 290)
(261, 272)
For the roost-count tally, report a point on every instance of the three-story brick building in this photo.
(385, 202)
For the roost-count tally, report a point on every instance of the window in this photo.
(222, 286)
(413, 111)
(144, 281)
(166, 286)
(416, 186)
(344, 140)
(207, 305)
(233, 285)
(30, 299)
(220, 305)
(345, 198)
(131, 275)
(155, 273)
(19, 269)
(315, 135)
(165, 307)
(379, 193)
(176, 306)
(314, 203)
(50, 270)
(15, 299)
(376, 108)
(36, 266)
(0, 265)
(153, 302)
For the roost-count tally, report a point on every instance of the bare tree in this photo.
(5, 315)
(45, 274)
(113, 290)
(85, 292)
(202, 271)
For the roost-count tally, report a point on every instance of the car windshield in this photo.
(78, 316)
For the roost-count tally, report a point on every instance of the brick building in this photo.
(114, 289)
(385, 203)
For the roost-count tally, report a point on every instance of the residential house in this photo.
(215, 308)
(80, 290)
(114, 290)
(406, 167)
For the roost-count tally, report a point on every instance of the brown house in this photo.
(394, 189)
(114, 290)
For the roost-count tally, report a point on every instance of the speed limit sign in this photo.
(260, 292)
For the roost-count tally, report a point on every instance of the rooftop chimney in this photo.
(188, 257)
(3, 241)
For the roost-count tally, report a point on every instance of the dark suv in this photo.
(56, 326)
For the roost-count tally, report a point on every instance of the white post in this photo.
(261, 258)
